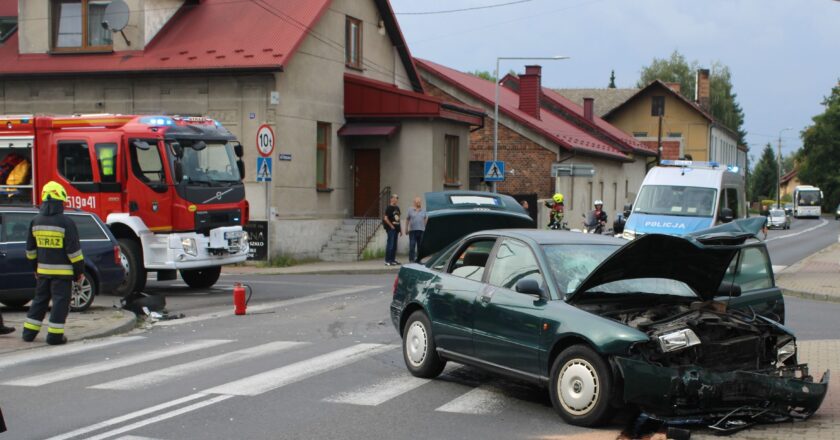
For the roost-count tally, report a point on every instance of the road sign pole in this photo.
(265, 148)
(268, 221)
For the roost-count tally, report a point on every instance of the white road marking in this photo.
(384, 390)
(135, 437)
(112, 364)
(156, 377)
(127, 417)
(481, 400)
(777, 269)
(279, 377)
(160, 418)
(267, 306)
(39, 354)
(822, 223)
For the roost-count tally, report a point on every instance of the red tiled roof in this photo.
(210, 35)
(789, 176)
(563, 133)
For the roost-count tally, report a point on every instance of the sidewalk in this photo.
(96, 322)
(815, 277)
(319, 268)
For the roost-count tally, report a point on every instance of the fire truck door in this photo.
(147, 185)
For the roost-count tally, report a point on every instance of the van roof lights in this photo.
(688, 163)
(157, 121)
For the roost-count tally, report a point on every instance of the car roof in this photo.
(548, 237)
(36, 209)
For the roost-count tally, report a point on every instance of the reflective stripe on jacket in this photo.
(52, 243)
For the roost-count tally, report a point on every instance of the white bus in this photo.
(807, 201)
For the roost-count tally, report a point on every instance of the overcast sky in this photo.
(784, 55)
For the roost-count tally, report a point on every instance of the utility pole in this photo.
(659, 141)
(779, 169)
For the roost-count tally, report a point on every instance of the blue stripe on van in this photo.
(666, 224)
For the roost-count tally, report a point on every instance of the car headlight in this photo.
(785, 352)
(678, 340)
(628, 234)
(243, 242)
(189, 246)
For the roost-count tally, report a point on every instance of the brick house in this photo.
(539, 128)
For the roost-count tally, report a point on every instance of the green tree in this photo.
(488, 75)
(820, 154)
(723, 101)
(763, 176)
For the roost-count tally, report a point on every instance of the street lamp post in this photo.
(496, 100)
(779, 169)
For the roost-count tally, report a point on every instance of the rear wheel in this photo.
(82, 295)
(201, 278)
(131, 256)
(419, 350)
(581, 386)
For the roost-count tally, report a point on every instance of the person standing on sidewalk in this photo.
(3, 329)
(52, 245)
(391, 223)
(415, 224)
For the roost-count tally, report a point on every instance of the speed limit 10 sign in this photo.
(265, 140)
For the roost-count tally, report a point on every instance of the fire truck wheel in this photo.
(135, 272)
(201, 278)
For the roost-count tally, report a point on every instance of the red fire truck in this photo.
(170, 188)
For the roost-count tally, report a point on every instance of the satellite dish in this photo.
(115, 18)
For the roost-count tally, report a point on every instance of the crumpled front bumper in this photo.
(705, 396)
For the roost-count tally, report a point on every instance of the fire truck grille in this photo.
(207, 220)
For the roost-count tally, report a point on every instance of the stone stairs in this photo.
(342, 244)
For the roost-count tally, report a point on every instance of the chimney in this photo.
(675, 86)
(530, 88)
(589, 109)
(701, 90)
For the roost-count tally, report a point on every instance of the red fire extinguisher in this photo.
(240, 303)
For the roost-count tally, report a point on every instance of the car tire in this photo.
(419, 350)
(581, 387)
(15, 303)
(201, 278)
(135, 271)
(82, 295)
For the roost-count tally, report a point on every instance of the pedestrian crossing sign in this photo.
(494, 171)
(263, 169)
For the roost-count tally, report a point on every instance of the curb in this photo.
(812, 296)
(126, 324)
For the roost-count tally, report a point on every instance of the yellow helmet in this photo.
(53, 190)
(558, 198)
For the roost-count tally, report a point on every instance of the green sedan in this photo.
(684, 328)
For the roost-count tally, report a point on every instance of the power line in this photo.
(474, 8)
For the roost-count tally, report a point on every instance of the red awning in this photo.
(359, 129)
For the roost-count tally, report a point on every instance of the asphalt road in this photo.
(805, 237)
(317, 357)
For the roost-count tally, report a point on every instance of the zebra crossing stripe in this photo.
(156, 377)
(384, 390)
(39, 354)
(107, 365)
(479, 401)
(279, 377)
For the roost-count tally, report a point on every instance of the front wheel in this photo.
(201, 278)
(131, 256)
(419, 351)
(581, 386)
(83, 293)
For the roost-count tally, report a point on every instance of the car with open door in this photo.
(682, 327)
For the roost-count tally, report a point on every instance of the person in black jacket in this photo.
(52, 245)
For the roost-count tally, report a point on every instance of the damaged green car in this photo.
(687, 329)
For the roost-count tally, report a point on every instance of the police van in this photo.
(682, 196)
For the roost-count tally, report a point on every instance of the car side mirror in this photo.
(530, 287)
(727, 288)
(238, 150)
(726, 215)
(241, 166)
(179, 171)
(628, 208)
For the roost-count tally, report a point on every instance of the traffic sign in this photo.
(494, 171)
(265, 141)
(263, 169)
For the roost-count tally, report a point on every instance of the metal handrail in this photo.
(371, 220)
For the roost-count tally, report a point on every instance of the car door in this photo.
(147, 185)
(507, 324)
(752, 272)
(16, 269)
(452, 294)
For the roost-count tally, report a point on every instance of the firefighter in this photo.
(52, 245)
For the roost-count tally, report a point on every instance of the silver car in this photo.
(778, 219)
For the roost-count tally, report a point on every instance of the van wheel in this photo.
(201, 278)
(82, 295)
(135, 272)
(581, 386)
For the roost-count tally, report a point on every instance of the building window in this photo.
(657, 106)
(322, 156)
(353, 43)
(451, 176)
(77, 25)
(639, 134)
(8, 26)
(74, 162)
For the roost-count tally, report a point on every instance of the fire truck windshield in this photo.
(214, 163)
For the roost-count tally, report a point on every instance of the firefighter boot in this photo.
(3, 329)
(31, 327)
(55, 334)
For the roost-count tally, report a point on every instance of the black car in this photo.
(103, 264)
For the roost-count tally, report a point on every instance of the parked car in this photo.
(686, 328)
(103, 263)
(778, 219)
(789, 209)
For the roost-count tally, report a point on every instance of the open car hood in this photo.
(454, 214)
(699, 259)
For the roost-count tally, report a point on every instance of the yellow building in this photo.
(789, 182)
